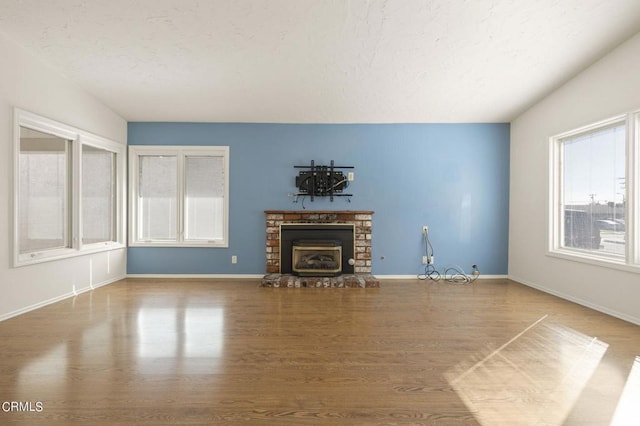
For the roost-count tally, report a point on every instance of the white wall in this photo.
(609, 87)
(28, 84)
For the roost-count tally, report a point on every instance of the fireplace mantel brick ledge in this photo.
(361, 219)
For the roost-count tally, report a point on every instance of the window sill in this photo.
(602, 261)
(42, 257)
(179, 245)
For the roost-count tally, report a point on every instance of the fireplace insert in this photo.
(341, 235)
(316, 257)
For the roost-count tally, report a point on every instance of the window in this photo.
(53, 163)
(592, 203)
(99, 195)
(44, 187)
(179, 196)
(157, 198)
(204, 198)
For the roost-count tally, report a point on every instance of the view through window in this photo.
(593, 190)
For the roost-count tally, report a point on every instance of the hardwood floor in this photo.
(159, 352)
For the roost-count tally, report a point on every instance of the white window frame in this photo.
(555, 222)
(120, 208)
(181, 152)
(77, 139)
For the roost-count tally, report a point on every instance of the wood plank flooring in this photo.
(160, 352)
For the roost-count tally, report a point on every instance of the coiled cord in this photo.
(451, 273)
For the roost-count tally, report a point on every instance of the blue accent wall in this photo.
(453, 178)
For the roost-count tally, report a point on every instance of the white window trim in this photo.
(120, 196)
(633, 190)
(181, 152)
(78, 138)
(631, 260)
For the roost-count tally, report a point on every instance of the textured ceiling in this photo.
(301, 61)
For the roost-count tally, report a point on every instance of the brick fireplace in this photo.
(360, 273)
(340, 235)
(361, 220)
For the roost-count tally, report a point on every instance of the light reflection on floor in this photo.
(628, 409)
(173, 341)
(539, 374)
(49, 370)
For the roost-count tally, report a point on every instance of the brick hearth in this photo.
(360, 219)
(342, 281)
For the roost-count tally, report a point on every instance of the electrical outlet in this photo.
(351, 176)
(425, 229)
(425, 260)
(234, 259)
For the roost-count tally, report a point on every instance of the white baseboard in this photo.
(56, 299)
(258, 276)
(409, 277)
(35, 306)
(198, 276)
(577, 300)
